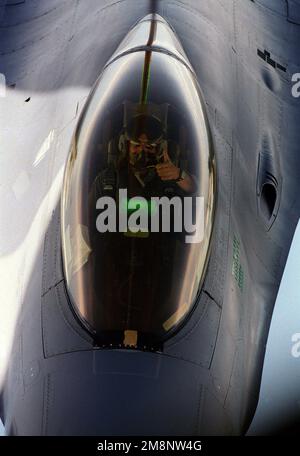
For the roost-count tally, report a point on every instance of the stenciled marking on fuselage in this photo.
(266, 56)
(237, 269)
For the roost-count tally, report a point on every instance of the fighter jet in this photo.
(111, 113)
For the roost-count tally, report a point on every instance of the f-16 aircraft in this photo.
(137, 331)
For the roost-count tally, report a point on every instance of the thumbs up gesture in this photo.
(167, 170)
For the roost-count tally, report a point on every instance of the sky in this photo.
(280, 388)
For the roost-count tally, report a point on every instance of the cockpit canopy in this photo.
(138, 201)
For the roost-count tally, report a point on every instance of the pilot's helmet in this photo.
(145, 131)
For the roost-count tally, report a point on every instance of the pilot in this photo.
(145, 163)
(163, 165)
(149, 157)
